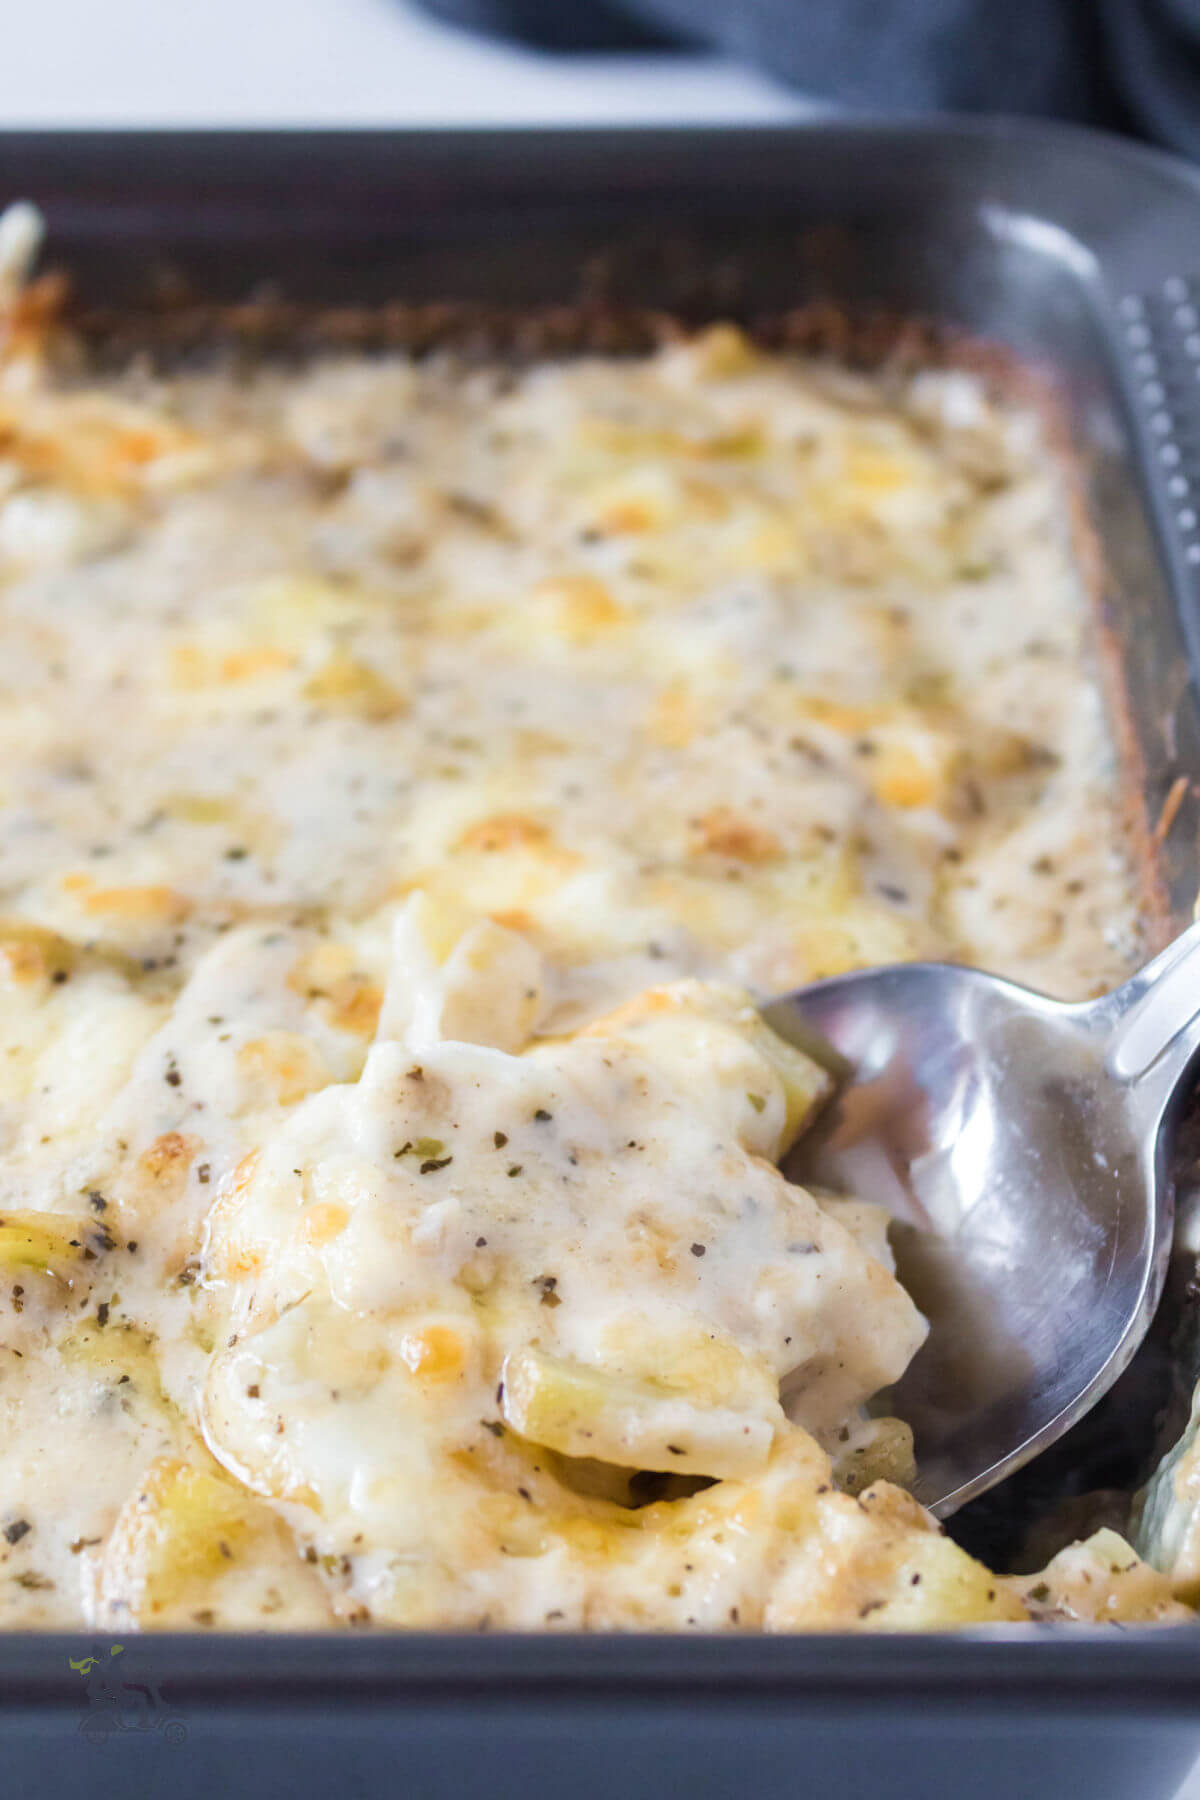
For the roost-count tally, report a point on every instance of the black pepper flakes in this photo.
(433, 1163)
(499, 1138)
(17, 1530)
(699, 1249)
(548, 1285)
(542, 1116)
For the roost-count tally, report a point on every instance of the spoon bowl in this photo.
(1021, 1146)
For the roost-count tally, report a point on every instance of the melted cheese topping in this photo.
(410, 773)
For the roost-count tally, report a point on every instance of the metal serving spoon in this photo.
(1022, 1145)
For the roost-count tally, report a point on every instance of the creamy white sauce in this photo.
(654, 675)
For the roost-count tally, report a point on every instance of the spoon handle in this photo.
(1154, 1021)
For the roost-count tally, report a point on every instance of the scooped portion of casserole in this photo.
(412, 773)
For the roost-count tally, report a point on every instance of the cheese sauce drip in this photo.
(410, 775)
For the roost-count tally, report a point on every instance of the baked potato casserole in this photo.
(414, 771)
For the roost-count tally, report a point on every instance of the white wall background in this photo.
(332, 62)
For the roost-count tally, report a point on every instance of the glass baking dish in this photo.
(1063, 259)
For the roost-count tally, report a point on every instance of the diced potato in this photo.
(32, 953)
(493, 988)
(709, 1366)
(587, 1412)
(905, 760)
(953, 1589)
(51, 1243)
(575, 611)
(878, 1450)
(281, 1067)
(170, 1533)
(185, 1537)
(345, 684)
(721, 351)
(346, 995)
(805, 1083)
(195, 666)
(676, 717)
(1167, 1529)
(135, 904)
(291, 610)
(862, 935)
(880, 1563)
(113, 1351)
(1102, 1579)
(462, 979)
(771, 1060)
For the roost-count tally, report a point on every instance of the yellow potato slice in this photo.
(586, 1412)
(52, 1243)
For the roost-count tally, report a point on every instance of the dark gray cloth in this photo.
(1130, 64)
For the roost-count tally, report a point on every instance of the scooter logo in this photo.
(116, 1704)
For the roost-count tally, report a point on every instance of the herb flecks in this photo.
(428, 1151)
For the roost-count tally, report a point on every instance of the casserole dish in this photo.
(923, 222)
